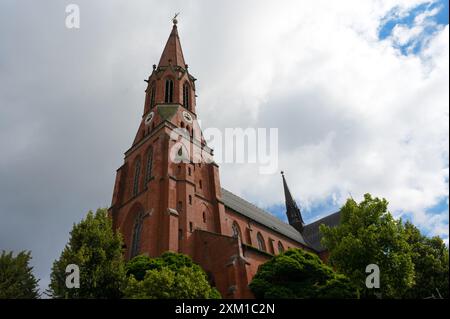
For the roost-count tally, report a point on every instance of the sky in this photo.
(359, 92)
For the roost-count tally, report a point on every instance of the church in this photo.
(160, 204)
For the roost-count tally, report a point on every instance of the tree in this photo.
(299, 274)
(171, 275)
(16, 276)
(368, 234)
(430, 258)
(97, 250)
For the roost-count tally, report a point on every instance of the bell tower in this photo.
(168, 185)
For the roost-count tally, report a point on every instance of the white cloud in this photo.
(355, 115)
(421, 19)
(403, 34)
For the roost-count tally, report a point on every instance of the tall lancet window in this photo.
(186, 95)
(168, 98)
(280, 247)
(137, 172)
(135, 246)
(236, 231)
(261, 243)
(152, 95)
(148, 174)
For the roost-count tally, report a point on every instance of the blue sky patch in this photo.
(432, 24)
(440, 207)
(315, 211)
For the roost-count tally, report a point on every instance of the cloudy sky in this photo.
(357, 89)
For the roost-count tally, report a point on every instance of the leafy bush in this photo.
(170, 276)
(299, 274)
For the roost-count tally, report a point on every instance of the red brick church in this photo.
(162, 205)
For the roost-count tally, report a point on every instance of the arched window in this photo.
(168, 98)
(280, 247)
(149, 164)
(190, 200)
(135, 246)
(152, 95)
(236, 231)
(261, 243)
(186, 95)
(137, 171)
(204, 217)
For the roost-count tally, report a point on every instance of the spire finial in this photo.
(174, 19)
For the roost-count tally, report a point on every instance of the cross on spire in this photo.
(174, 19)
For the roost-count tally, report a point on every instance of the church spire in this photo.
(172, 53)
(292, 211)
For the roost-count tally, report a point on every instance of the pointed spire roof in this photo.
(292, 211)
(172, 53)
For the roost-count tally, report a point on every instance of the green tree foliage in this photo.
(171, 275)
(16, 277)
(430, 258)
(138, 266)
(97, 250)
(299, 274)
(368, 234)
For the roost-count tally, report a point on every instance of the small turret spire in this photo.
(292, 211)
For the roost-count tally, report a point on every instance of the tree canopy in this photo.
(16, 276)
(410, 265)
(97, 250)
(171, 275)
(299, 274)
(431, 267)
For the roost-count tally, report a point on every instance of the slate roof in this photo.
(310, 236)
(311, 231)
(249, 210)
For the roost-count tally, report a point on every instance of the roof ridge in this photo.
(259, 215)
(324, 217)
(260, 209)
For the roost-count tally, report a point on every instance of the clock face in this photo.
(187, 117)
(149, 118)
